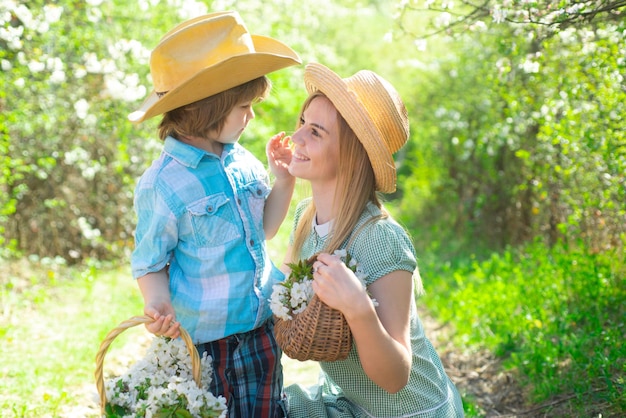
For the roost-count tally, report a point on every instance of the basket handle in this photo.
(129, 323)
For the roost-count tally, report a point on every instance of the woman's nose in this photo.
(296, 138)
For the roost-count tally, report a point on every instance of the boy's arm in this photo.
(155, 290)
(277, 203)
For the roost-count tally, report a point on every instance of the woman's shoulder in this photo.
(382, 245)
(377, 221)
(384, 234)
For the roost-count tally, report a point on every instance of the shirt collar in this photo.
(323, 229)
(188, 155)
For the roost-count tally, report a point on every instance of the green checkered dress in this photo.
(345, 390)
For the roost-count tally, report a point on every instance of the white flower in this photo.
(162, 381)
(82, 110)
(277, 306)
(341, 253)
(301, 293)
(293, 295)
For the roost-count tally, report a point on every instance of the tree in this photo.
(525, 129)
(547, 16)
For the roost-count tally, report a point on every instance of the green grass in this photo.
(556, 315)
(51, 329)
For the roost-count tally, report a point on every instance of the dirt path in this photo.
(477, 374)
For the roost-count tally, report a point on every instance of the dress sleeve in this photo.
(381, 248)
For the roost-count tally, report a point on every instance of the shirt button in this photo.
(239, 201)
(259, 192)
(251, 242)
(209, 208)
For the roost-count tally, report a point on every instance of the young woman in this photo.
(347, 134)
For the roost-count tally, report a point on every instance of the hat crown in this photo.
(384, 107)
(373, 109)
(205, 56)
(197, 44)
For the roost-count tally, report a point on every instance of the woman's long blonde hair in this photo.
(356, 186)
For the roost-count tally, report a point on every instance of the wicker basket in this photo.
(137, 320)
(318, 333)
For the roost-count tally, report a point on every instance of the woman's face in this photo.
(316, 143)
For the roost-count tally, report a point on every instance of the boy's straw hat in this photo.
(205, 56)
(374, 111)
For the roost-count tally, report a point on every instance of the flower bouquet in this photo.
(166, 382)
(305, 327)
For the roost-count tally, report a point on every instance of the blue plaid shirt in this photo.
(203, 214)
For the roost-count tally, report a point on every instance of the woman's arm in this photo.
(381, 334)
(155, 290)
(277, 203)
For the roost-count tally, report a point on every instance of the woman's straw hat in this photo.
(205, 56)
(374, 111)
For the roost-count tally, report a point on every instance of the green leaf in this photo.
(114, 411)
(183, 413)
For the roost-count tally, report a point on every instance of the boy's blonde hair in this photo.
(207, 115)
(356, 186)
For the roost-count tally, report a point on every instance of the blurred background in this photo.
(513, 183)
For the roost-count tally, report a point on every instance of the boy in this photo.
(204, 208)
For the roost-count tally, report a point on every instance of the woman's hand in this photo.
(279, 155)
(338, 287)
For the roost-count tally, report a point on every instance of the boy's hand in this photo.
(279, 155)
(164, 325)
(157, 304)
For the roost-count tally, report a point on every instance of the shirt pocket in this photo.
(255, 194)
(213, 221)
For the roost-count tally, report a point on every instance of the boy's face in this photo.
(236, 122)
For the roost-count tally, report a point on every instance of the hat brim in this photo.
(269, 56)
(320, 78)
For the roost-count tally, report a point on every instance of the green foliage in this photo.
(520, 138)
(555, 314)
(71, 73)
(73, 77)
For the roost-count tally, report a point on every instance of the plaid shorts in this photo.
(248, 373)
